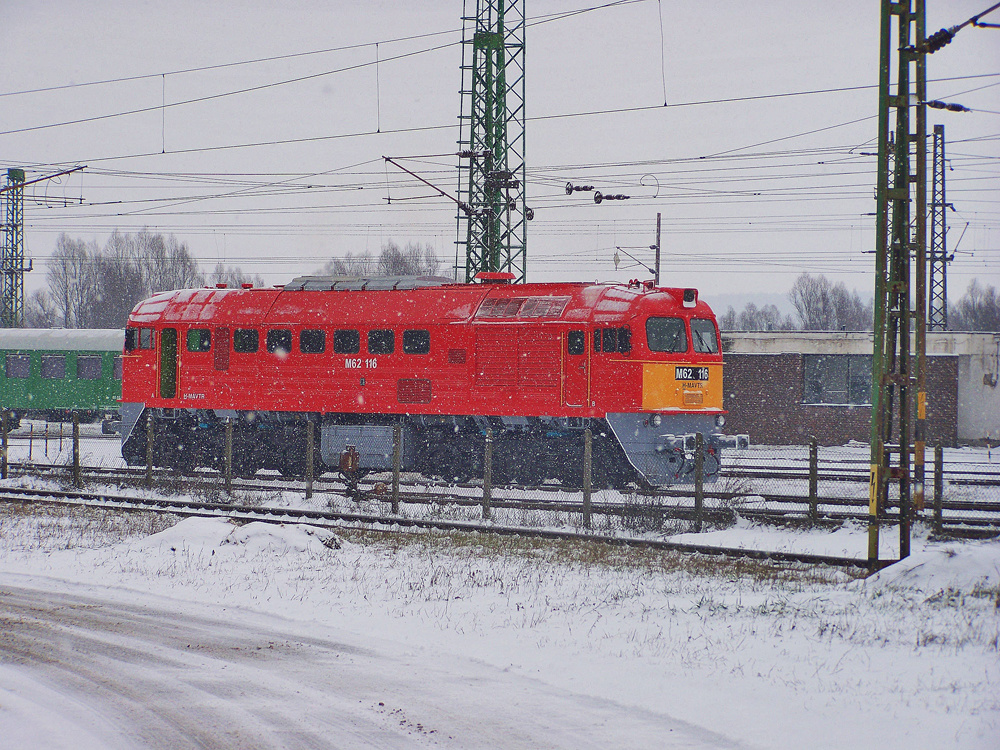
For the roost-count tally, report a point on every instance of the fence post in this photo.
(31, 441)
(60, 437)
(46, 439)
(588, 461)
(488, 474)
(3, 450)
(699, 480)
(310, 437)
(229, 456)
(76, 449)
(938, 486)
(813, 479)
(150, 437)
(397, 460)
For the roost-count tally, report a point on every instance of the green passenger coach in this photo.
(48, 373)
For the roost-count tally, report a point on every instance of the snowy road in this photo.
(89, 667)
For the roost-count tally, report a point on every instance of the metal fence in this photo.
(807, 483)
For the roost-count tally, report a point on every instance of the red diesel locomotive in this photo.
(536, 363)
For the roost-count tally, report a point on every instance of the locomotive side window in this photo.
(625, 340)
(147, 338)
(666, 335)
(576, 342)
(279, 341)
(246, 340)
(131, 339)
(416, 341)
(18, 365)
(312, 342)
(346, 341)
(199, 340)
(54, 367)
(118, 368)
(597, 340)
(704, 337)
(221, 359)
(381, 341)
(88, 367)
(609, 340)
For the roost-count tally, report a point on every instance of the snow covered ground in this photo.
(119, 632)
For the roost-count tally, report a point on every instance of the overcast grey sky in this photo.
(280, 178)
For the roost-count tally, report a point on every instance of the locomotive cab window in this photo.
(18, 366)
(246, 340)
(416, 341)
(704, 336)
(576, 342)
(666, 335)
(131, 339)
(88, 367)
(381, 341)
(312, 341)
(346, 341)
(199, 340)
(147, 338)
(54, 367)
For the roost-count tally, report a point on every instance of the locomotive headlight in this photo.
(655, 420)
(720, 420)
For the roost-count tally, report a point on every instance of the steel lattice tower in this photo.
(899, 361)
(12, 262)
(492, 223)
(938, 309)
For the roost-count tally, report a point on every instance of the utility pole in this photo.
(12, 257)
(939, 258)
(656, 266)
(900, 248)
(492, 226)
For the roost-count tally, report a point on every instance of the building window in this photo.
(837, 379)
(18, 365)
(246, 340)
(312, 341)
(88, 367)
(54, 367)
(346, 341)
(416, 341)
(199, 340)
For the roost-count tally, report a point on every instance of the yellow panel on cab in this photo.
(678, 386)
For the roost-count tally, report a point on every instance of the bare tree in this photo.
(71, 278)
(40, 310)
(233, 276)
(977, 310)
(167, 264)
(822, 306)
(412, 260)
(362, 264)
(753, 318)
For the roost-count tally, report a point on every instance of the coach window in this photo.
(246, 340)
(576, 342)
(199, 340)
(416, 341)
(381, 341)
(312, 341)
(18, 365)
(54, 367)
(147, 338)
(346, 341)
(666, 335)
(88, 367)
(118, 368)
(704, 336)
(131, 339)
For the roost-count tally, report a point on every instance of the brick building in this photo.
(785, 387)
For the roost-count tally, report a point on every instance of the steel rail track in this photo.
(339, 519)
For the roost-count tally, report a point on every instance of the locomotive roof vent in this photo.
(690, 298)
(359, 283)
(493, 277)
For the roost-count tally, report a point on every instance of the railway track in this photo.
(390, 523)
(662, 505)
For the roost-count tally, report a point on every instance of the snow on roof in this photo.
(62, 339)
